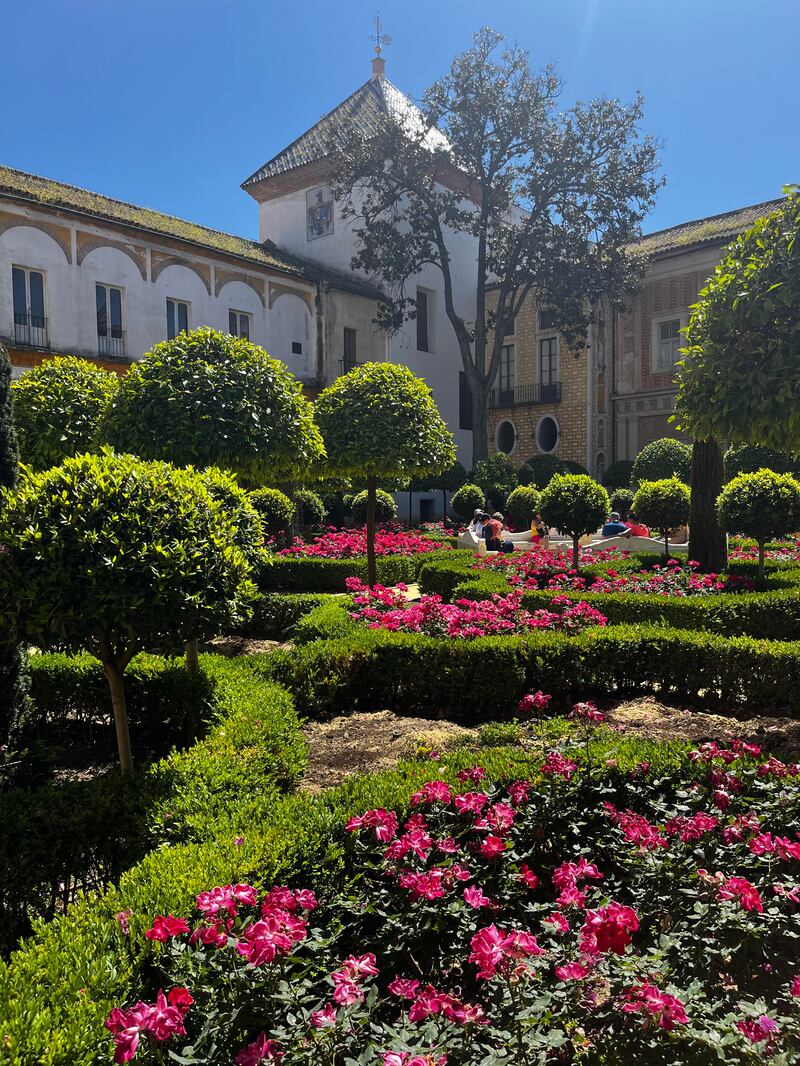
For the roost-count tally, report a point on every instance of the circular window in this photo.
(547, 434)
(506, 437)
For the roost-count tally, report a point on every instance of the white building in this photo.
(84, 274)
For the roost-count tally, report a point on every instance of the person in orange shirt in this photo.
(637, 528)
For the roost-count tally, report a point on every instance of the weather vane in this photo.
(380, 38)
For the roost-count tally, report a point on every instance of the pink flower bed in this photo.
(352, 543)
(786, 552)
(623, 916)
(553, 570)
(387, 608)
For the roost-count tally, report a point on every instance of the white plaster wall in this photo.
(342, 310)
(24, 246)
(178, 282)
(290, 321)
(113, 267)
(237, 296)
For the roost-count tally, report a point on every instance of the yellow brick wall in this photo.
(570, 413)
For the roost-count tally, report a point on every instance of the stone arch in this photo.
(276, 291)
(160, 263)
(88, 244)
(223, 277)
(58, 234)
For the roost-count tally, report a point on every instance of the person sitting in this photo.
(493, 531)
(615, 527)
(539, 532)
(637, 528)
(476, 525)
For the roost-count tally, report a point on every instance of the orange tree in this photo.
(112, 555)
(380, 421)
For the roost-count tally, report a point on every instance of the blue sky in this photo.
(172, 103)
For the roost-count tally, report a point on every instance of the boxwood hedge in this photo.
(309, 573)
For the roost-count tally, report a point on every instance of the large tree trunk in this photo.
(480, 424)
(116, 684)
(371, 569)
(707, 542)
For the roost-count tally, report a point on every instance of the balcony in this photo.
(30, 331)
(112, 345)
(525, 395)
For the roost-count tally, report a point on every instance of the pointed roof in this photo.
(363, 109)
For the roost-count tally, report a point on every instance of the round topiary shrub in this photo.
(570, 466)
(762, 505)
(385, 507)
(275, 510)
(309, 508)
(622, 501)
(466, 500)
(576, 505)
(58, 407)
(539, 471)
(522, 505)
(497, 477)
(662, 459)
(618, 474)
(238, 507)
(750, 458)
(663, 505)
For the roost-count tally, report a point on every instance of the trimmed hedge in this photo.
(309, 573)
(373, 669)
(60, 839)
(275, 614)
(56, 991)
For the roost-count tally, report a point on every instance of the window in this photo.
(464, 402)
(349, 350)
(423, 338)
(30, 324)
(666, 342)
(547, 319)
(110, 334)
(505, 437)
(547, 434)
(548, 361)
(239, 324)
(297, 348)
(510, 326)
(177, 318)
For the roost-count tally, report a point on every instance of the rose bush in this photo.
(352, 543)
(574, 916)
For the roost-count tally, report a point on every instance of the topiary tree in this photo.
(663, 505)
(451, 481)
(522, 505)
(309, 508)
(575, 504)
(740, 375)
(112, 555)
(58, 407)
(618, 474)
(466, 500)
(571, 466)
(622, 501)
(497, 476)
(13, 659)
(763, 505)
(539, 471)
(749, 458)
(380, 421)
(237, 505)
(275, 510)
(664, 458)
(385, 507)
(209, 399)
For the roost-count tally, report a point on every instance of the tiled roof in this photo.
(43, 191)
(712, 230)
(362, 109)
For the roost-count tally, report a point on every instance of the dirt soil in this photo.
(365, 742)
(235, 645)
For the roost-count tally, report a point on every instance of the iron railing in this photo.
(112, 343)
(30, 330)
(525, 394)
(346, 365)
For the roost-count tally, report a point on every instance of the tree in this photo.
(622, 501)
(209, 399)
(385, 507)
(551, 201)
(662, 505)
(380, 421)
(58, 407)
(451, 481)
(708, 544)
(467, 500)
(275, 510)
(309, 508)
(576, 505)
(112, 555)
(663, 458)
(522, 505)
(740, 374)
(749, 458)
(618, 474)
(540, 470)
(13, 660)
(497, 477)
(763, 505)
